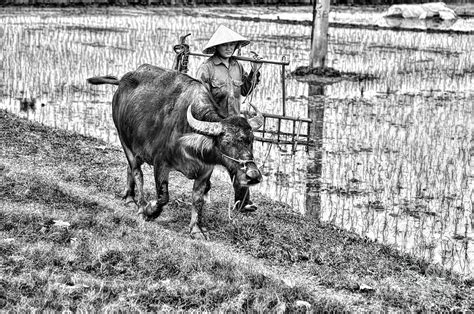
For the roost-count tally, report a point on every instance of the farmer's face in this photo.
(226, 50)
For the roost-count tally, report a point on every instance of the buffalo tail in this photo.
(98, 80)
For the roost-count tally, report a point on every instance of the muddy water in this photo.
(395, 149)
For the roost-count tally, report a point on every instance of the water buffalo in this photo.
(169, 120)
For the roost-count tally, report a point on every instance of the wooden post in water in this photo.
(319, 50)
(319, 34)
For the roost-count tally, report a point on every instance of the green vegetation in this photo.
(68, 243)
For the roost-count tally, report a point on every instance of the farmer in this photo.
(223, 75)
(227, 81)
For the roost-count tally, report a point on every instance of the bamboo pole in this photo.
(243, 59)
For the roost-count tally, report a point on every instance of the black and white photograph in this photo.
(243, 156)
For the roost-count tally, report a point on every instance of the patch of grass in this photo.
(173, 272)
(155, 271)
(29, 188)
(109, 259)
(339, 259)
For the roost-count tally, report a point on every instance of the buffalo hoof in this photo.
(199, 233)
(150, 211)
(127, 194)
(128, 200)
(249, 208)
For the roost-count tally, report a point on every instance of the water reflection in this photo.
(316, 107)
(395, 151)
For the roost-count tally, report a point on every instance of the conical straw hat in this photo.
(224, 35)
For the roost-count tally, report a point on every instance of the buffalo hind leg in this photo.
(161, 172)
(135, 177)
(201, 186)
(129, 194)
(138, 176)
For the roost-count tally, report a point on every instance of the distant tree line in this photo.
(215, 2)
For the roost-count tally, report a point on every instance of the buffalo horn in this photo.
(257, 121)
(204, 127)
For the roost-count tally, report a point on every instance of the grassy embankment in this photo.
(67, 242)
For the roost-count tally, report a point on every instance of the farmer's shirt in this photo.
(226, 84)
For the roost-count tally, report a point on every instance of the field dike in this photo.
(67, 242)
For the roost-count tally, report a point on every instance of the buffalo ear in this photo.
(198, 143)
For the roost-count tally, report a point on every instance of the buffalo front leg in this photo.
(161, 172)
(199, 189)
(207, 196)
(242, 196)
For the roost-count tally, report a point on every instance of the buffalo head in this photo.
(233, 143)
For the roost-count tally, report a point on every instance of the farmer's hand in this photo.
(256, 65)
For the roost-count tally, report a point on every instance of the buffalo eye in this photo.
(228, 139)
(242, 139)
(246, 140)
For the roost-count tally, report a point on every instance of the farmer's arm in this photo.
(253, 78)
(248, 82)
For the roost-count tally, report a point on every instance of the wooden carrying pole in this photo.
(243, 59)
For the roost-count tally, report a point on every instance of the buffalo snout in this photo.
(253, 175)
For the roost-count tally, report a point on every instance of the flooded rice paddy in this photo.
(396, 149)
(363, 16)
